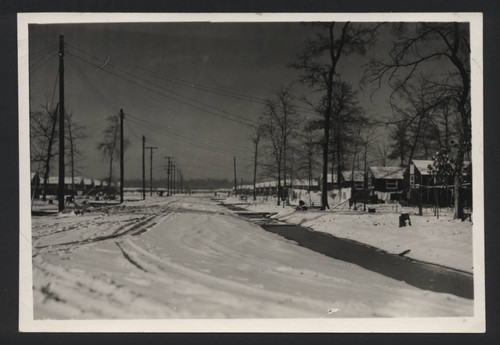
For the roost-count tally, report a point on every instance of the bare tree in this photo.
(382, 152)
(109, 146)
(43, 136)
(399, 136)
(347, 115)
(319, 64)
(309, 145)
(276, 142)
(444, 46)
(255, 137)
(74, 134)
(286, 122)
(423, 99)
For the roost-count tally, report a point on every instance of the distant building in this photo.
(332, 181)
(420, 186)
(302, 184)
(386, 182)
(266, 187)
(349, 179)
(72, 186)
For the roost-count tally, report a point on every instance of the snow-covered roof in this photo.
(87, 181)
(329, 178)
(55, 180)
(300, 182)
(358, 175)
(423, 165)
(266, 184)
(387, 173)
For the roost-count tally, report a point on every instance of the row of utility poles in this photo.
(175, 179)
(174, 175)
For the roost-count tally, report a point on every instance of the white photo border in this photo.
(474, 324)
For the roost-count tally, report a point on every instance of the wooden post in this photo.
(235, 181)
(60, 191)
(121, 156)
(143, 168)
(151, 148)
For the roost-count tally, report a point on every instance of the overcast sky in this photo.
(173, 62)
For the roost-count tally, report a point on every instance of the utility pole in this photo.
(181, 183)
(143, 168)
(174, 191)
(168, 175)
(60, 192)
(170, 165)
(177, 180)
(121, 156)
(235, 181)
(151, 148)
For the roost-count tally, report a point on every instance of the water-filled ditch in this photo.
(420, 274)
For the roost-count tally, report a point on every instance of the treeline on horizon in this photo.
(201, 183)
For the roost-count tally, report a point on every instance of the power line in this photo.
(180, 95)
(43, 51)
(102, 99)
(35, 66)
(178, 137)
(90, 86)
(54, 91)
(243, 121)
(197, 86)
(201, 87)
(186, 136)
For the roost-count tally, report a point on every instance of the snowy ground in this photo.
(442, 241)
(188, 257)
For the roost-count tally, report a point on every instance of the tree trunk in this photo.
(284, 170)
(110, 169)
(326, 139)
(339, 156)
(419, 195)
(255, 170)
(49, 153)
(278, 187)
(72, 156)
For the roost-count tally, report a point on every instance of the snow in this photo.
(191, 258)
(441, 241)
(444, 241)
(387, 172)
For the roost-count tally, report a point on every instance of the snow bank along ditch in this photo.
(420, 274)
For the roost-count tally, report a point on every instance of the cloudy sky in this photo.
(191, 88)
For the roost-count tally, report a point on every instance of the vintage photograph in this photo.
(251, 170)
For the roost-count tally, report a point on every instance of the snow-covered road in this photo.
(191, 258)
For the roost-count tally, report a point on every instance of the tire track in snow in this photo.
(160, 266)
(134, 229)
(132, 261)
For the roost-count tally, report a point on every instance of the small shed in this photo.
(386, 179)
